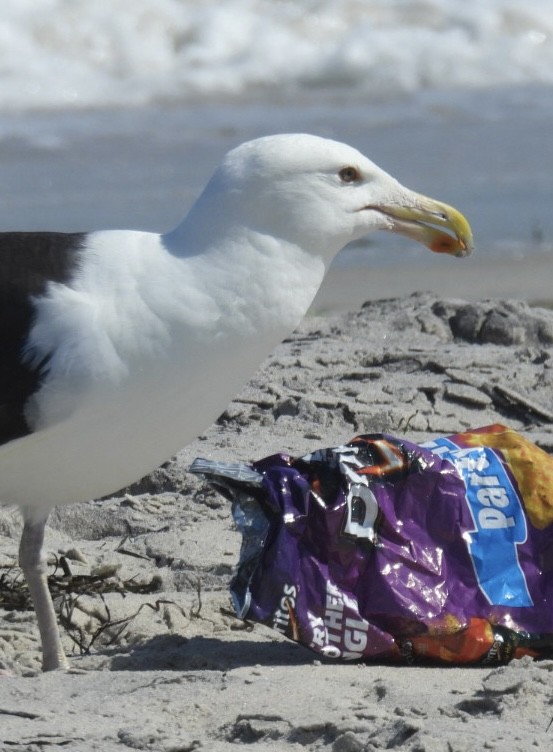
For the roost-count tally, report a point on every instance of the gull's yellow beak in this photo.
(425, 220)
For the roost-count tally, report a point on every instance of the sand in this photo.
(527, 277)
(158, 659)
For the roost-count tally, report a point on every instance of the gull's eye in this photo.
(349, 175)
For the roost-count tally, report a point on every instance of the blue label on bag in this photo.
(499, 522)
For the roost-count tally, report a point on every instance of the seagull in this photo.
(119, 347)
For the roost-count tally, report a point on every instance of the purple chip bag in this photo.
(384, 549)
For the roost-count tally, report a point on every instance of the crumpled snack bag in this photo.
(384, 549)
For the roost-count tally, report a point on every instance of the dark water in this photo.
(487, 152)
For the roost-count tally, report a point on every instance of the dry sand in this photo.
(529, 278)
(166, 666)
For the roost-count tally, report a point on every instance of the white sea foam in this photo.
(58, 54)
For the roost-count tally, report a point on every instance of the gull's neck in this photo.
(248, 261)
(265, 278)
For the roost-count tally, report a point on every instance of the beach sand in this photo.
(479, 277)
(158, 659)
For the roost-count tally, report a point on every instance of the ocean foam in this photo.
(55, 54)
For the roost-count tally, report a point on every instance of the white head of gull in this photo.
(119, 347)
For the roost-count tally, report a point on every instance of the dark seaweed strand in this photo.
(28, 262)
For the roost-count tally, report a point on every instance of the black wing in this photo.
(28, 262)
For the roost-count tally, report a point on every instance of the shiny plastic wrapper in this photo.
(384, 549)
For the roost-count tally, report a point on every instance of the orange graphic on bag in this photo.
(530, 465)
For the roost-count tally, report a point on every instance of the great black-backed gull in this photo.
(119, 347)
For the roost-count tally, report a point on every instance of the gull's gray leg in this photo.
(33, 563)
